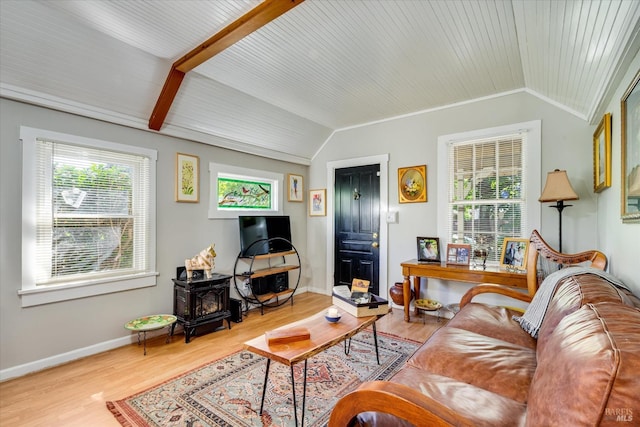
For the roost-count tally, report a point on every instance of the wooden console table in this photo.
(459, 273)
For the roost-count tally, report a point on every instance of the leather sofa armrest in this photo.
(395, 399)
(493, 288)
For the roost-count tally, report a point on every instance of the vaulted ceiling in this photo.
(323, 66)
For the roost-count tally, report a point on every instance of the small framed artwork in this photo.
(412, 184)
(428, 249)
(630, 145)
(602, 155)
(318, 202)
(187, 178)
(458, 254)
(295, 189)
(514, 253)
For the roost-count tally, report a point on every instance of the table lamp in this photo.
(558, 189)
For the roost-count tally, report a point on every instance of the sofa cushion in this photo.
(588, 371)
(495, 365)
(481, 407)
(574, 292)
(494, 322)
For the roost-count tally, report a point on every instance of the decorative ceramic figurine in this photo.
(202, 261)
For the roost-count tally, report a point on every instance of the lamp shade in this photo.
(557, 188)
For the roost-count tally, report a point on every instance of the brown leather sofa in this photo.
(483, 369)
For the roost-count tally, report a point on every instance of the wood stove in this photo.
(201, 301)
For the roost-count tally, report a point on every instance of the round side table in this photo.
(150, 323)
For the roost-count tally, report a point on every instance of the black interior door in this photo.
(357, 225)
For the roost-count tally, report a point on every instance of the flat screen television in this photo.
(263, 229)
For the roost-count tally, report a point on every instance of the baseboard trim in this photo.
(59, 359)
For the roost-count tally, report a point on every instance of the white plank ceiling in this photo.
(325, 65)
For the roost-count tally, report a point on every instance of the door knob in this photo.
(375, 244)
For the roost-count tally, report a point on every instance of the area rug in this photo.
(227, 392)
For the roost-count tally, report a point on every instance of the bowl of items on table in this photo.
(332, 315)
(428, 304)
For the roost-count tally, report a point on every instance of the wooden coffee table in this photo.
(323, 335)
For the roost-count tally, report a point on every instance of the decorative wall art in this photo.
(412, 184)
(428, 249)
(602, 154)
(238, 191)
(514, 253)
(630, 106)
(187, 178)
(295, 188)
(318, 202)
(458, 254)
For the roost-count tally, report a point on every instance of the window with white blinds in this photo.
(489, 192)
(93, 213)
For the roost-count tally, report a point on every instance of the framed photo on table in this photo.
(458, 254)
(514, 253)
(602, 154)
(187, 178)
(428, 249)
(295, 188)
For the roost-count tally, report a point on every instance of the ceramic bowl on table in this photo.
(332, 316)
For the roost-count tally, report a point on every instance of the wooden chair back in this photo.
(542, 260)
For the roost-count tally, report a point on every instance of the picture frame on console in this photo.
(458, 254)
(602, 154)
(514, 253)
(428, 249)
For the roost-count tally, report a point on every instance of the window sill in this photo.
(49, 294)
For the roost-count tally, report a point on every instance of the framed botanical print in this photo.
(187, 178)
(602, 154)
(412, 184)
(295, 188)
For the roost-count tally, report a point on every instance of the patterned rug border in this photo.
(116, 411)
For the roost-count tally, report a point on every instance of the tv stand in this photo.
(265, 279)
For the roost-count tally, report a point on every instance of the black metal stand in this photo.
(560, 206)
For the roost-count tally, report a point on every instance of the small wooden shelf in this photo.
(271, 295)
(270, 255)
(263, 272)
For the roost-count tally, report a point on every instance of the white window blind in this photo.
(88, 217)
(486, 191)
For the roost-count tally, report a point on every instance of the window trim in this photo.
(532, 171)
(32, 295)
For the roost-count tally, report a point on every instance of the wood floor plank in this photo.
(74, 394)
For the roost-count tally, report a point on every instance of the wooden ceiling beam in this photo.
(251, 21)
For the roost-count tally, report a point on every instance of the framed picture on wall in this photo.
(412, 184)
(428, 249)
(630, 191)
(602, 154)
(318, 202)
(295, 188)
(187, 178)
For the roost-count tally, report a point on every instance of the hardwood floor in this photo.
(74, 394)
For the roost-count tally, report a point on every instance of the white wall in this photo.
(566, 144)
(621, 242)
(40, 336)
